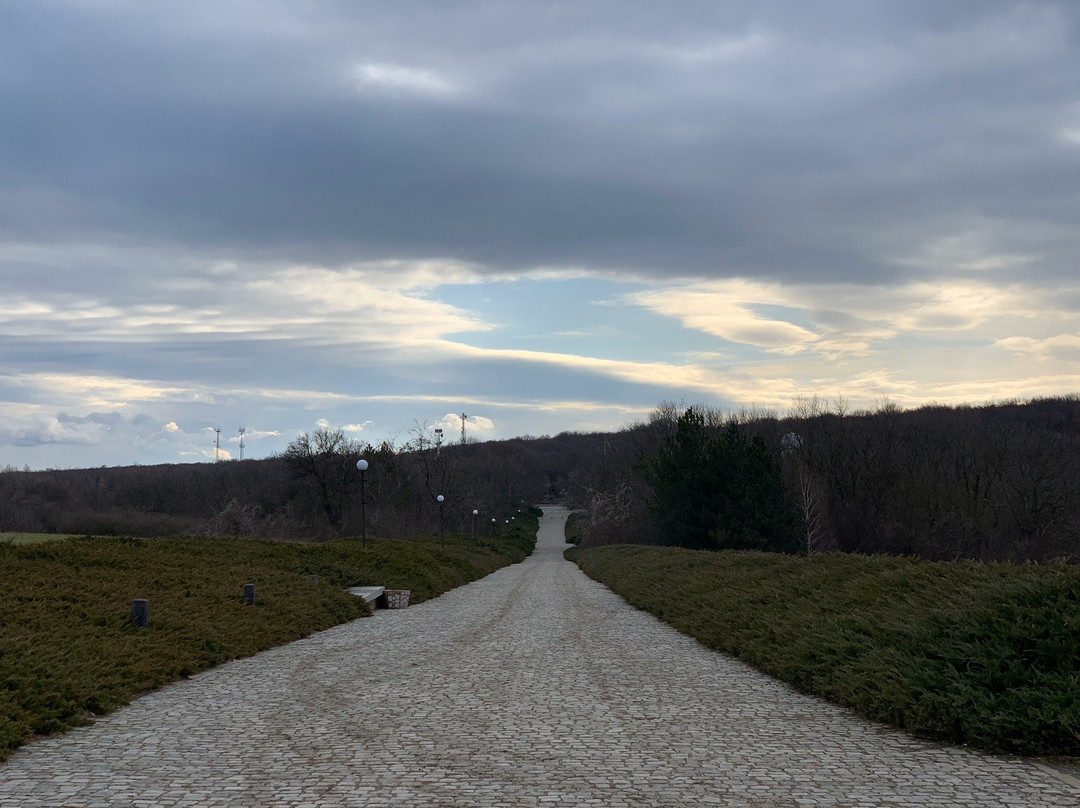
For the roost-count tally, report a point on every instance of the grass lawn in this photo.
(69, 650)
(980, 654)
(30, 538)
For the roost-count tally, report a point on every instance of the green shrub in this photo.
(575, 528)
(982, 654)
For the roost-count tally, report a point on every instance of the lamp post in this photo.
(475, 514)
(442, 523)
(493, 527)
(361, 466)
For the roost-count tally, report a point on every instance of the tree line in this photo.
(311, 490)
(982, 482)
(992, 482)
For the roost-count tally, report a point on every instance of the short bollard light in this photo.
(140, 612)
(249, 594)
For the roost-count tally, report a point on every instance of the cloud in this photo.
(846, 319)
(476, 427)
(382, 302)
(258, 434)
(399, 78)
(726, 311)
(719, 51)
(31, 426)
(773, 141)
(271, 212)
(52, 430)
(1063, 347)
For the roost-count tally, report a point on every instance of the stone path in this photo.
(533, 687)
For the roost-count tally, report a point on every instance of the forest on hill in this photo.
(984, 482)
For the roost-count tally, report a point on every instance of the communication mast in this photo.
(463, 417)
(217, 444)
(242, 431)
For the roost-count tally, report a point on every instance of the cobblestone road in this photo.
(532, 687)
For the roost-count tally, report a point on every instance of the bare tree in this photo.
(322, 463)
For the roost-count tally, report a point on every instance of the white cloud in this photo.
(260, 434)
(1071, 134)
(1063, 347)
(51, 430)
(171, 427)
(476, 426)
(402, 79)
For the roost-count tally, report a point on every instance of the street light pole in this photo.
(361, 466)
(475, 514)
(442, 523)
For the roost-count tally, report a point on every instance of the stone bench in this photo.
(382, 598)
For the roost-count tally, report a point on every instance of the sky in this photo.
(547, 216)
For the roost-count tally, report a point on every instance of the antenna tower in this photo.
(217, 443)
(242, 431)
(463, 417)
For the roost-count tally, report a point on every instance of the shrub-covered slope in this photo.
(982, 654)
(69, 651)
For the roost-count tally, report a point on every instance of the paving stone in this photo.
(533, 687)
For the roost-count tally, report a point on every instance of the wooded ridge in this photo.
(990, 482)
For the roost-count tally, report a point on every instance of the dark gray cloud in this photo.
(818, 141)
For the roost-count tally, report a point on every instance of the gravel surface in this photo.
(532, 687)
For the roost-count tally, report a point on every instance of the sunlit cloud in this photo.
(476, 426)
(387, 301)
(725, 310)
(1063, 347)
(355, 428)
(846, 319)
(96, 391)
